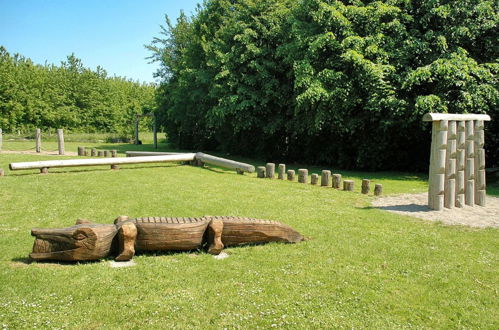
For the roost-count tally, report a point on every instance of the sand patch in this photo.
(415, 205)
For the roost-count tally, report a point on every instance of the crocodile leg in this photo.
(215, 228)
(127, 234)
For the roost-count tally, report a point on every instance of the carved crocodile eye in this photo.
(79, 236)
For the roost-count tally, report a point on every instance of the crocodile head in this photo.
(84, 241)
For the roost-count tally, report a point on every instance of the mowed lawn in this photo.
(360, 267)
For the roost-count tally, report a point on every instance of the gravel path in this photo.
(415, 205)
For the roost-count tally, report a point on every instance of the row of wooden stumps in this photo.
(327, 179)
(457, 160)
(93, 152)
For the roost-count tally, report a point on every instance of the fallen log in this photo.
(100, 161)
(223, 162)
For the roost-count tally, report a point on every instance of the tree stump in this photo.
(94, 152)
(115, 167)
(291, 175)
(44, 170)
(81, 151)
(260, 172)
(378, 189)
(348, 185)
(270, 170)
(282, 170)
(314, 179)
(366, 186)
(336, 181)
(106, 153)
(325, 178)
(100, 153)
(114, 153)
(303, 175)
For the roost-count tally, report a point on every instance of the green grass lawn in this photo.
(361, 267)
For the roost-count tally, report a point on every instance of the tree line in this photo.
(344, 83)
(68, 96)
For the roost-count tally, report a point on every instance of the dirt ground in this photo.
(415, 205)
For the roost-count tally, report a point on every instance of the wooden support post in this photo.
(378, 189)
(2, 173)
(94, 152)
(451, 166)
(106, 153)
(114, 153)
(366, 186)
(282, 171)
(81, 151)
(1, 139)
(303, 175)
(137, 118)
(479, 163)
(115, 167)
(100, 153)
(270, 170)
(336, 181)
(155, 132)
(260, 172)
(348, 185)
(437, 166)
(38, 138)
(44, 170)
(460, 164)
(469, 195)
(314, 179)
(60, 141)
(291, 175)
(325, 178)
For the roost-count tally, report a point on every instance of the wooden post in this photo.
(94, 152)
(81, 151)
(114, 153)
(336, 181)
(1, 139)
(437, 170)
(378, 189)
(106, 153)
(115, 167)
(291, 175)
(60, 141)
(155, 131)
(87, 153)
(314, 179)
(325, 178)
(282, 171)
(270, 170)
(303, 175)
(348, 185)
(366, 186)
(479, 163)
(469, 195)
(137, 118)
(44, 170)
(38, 138)
(460, 164)
(260, 172)
(100, 153)
(451, 166)
(2, 173)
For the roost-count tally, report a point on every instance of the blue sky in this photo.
(109, 33)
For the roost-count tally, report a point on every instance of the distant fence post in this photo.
(155, 131)
(1, 140)
(137, 129)
(38, 137)
(60, 140)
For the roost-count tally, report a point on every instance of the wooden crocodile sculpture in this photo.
(90, 241)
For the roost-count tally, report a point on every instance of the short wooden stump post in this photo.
(114, 153)
(270, 170)
(325, 178)
(378, 189)
(44, 170)
(115, 167)
(239, 171)
(81, 151)
(100, 153)
(314, 179)
(260, 172)
(336, 181)
(348, 185)
(94, 152)
(366, 186)
(38, 138)
(60, 141)
(106, 153)
(281, 171)
(303, 175)
(87, 153)
(291, 175)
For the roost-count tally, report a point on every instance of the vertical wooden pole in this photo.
(291, 175)
(450, 168)
(137, 129)
(469, 194)
(270, 170)
(302, 175)
(336, 181)
(366, 186)
(460, 163)
(437, 167)
(325, 178)
(479, 163)
(282, 171)
(60, 141)
(155, 131)
(1, 139)
(38, 138)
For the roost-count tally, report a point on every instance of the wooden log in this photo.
(480, 197)
(60, 141)
(100, 153)
(325, 178)
(454, 116)
(438, 164)
(81, 151)
(336, 181)
(106, 153)
(97, 161)
(270, 170)
(114, 153)
(94, 152)
(450, 195)
(281, 171)
(115, 167)
(260, 172)
(366, 186)
(239, 171)
(38, 138)
(469, 195)
(314, 179)
(348, 185)
(2, 172)
(223, 162)
(149, 153)
(460, 188)
(44, 170)
(291, 175)
(450, 168)
(87, 153)
(479, 141)
(378, 189)
(302, 175)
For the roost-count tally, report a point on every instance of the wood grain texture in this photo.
(281, 171)
(260, 172)
(366, 186)
(348, 185)
(291, 175)
(270, 170)
(303, 175)
(336, 181)
(325, 178)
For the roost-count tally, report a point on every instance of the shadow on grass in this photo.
(48, 263)
(403, 208)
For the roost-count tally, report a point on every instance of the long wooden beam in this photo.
(223, 162)
(100, 161)
(150, 153)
